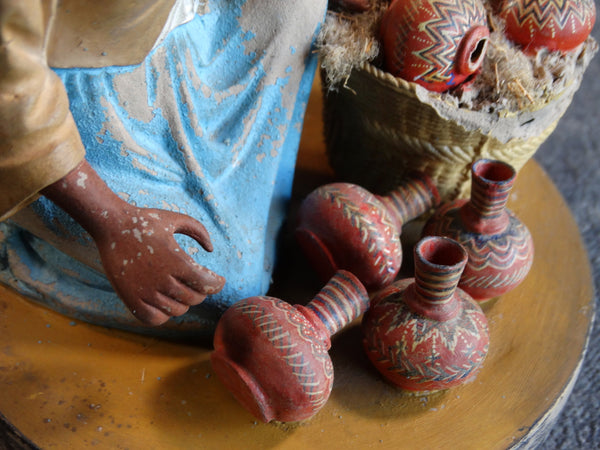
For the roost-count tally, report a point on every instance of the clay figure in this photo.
(147, 151)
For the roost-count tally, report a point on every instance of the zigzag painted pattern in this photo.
(497, 281)
(442, 337)
(487, 254)
(371, 235)
(498, 251)
(283, 342)
(552, 13)
(445, 30)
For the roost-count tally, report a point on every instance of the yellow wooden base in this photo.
(65, 384)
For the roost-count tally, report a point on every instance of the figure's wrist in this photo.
(87, 198)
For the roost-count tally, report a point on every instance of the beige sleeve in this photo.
(39, 141)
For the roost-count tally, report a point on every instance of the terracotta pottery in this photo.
(343, 226)
(553, 24)
(436, 43)
(273, 357)
(424, 334)
(499, 245)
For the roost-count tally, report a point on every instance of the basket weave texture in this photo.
(379, 128)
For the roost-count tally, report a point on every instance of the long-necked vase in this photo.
(344, 226)
(273, 357)
(424, 334)
(499, 244)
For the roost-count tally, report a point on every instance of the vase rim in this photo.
(472, 49)
(493, 171)
(440, 252)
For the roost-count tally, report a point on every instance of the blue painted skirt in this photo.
(208, 125)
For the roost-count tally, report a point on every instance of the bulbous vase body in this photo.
(343, 226)
(423, 334)
(272, 356)
(252, 337)
(553, 24)
(436, 43)
(499, 244)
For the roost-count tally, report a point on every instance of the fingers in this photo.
(168, 305)
(149, 314)
(196, 277)
(191, 227)
(173, 300)
(181, 293)
(159, 308)
(202, 280)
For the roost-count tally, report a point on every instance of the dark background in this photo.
(571, 157)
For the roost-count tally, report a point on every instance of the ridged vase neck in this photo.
(342, 300)
(439, 264)
(491, 184)
(411, 199)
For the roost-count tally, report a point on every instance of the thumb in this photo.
(184, 224)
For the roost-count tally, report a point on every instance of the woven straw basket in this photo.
(379, 128)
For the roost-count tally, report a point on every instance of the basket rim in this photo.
(501, 125)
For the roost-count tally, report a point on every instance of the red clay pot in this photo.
(499, 245)
(438, 44)
(553, 24)
(273, 357)
(343, 226)
(424, 334)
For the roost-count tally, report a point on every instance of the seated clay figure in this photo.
(147, 152)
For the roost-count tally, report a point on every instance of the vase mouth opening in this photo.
(440, 251)
(472, 50)
(493, 171)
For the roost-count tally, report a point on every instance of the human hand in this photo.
(148, 269)
(151, 273)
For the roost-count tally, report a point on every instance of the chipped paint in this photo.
(81, 178)
(206, 126)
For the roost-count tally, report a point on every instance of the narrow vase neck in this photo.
(439, 264)
(491, 184)
(342, 300)
(411, 199)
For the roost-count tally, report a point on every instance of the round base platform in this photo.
(65, 384)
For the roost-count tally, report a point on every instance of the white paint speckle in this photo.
(137, 234)
(151, 250)
(81, 180)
